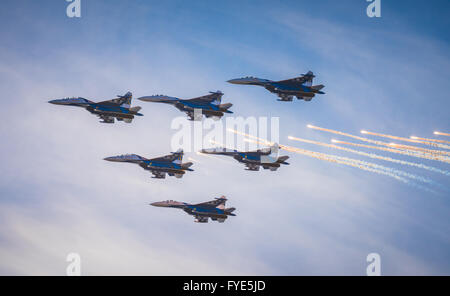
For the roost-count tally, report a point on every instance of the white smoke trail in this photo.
(429, 140)
(407, 140)
(372, 155)
(380, 143)
(372, 167)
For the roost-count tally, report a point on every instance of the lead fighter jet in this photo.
(119, 108)
(300, 87)
(209, 105)
(214, 209)
(170, 164)
(253, 160)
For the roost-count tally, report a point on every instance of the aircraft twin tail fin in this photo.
(125, 100)
(221, 202)
(178, 156)
(274, 149)
(217, 95)
(308, 78)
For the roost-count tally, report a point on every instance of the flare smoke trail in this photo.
(372, 155)
(383, 168)
(339, 160)
(442, 134)
(430, 140)
(429, 151)
(393, 150)
(363, 165)
(407, 140)
(367, 166)
(407, 151)
(331, 158)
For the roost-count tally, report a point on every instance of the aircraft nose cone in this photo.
(208, 151)
(159, 204)
(54, 101)
(240, 81)
(110, 158)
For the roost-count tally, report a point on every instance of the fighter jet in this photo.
(214, 209)
(209, 105)
(300, 87)
(253, 160)
(118, 108)
(170, 164)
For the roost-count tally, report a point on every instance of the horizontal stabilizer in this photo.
(318, 88)
(159, 98)
(282, 159)
(187, 165)
(135, 109)
(225, 106)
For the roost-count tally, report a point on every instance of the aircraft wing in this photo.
(220, 220)
(213, 97)
(308, 77)
(170, 157)
(158, 174)
(120, 100)
(167, 158)
(272, 168)
(160, 99)
(285, 98)
(262, 151)
(201, 219)
(106, 119)
(214, 202)
(220, 151)
(192, 117)
(252, 167)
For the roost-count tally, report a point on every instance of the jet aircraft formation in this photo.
(211, 106)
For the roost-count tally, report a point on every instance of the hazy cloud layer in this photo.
(58, 195)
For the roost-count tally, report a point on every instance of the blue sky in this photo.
(58, 196)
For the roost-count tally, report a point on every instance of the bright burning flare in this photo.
(442, 134)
